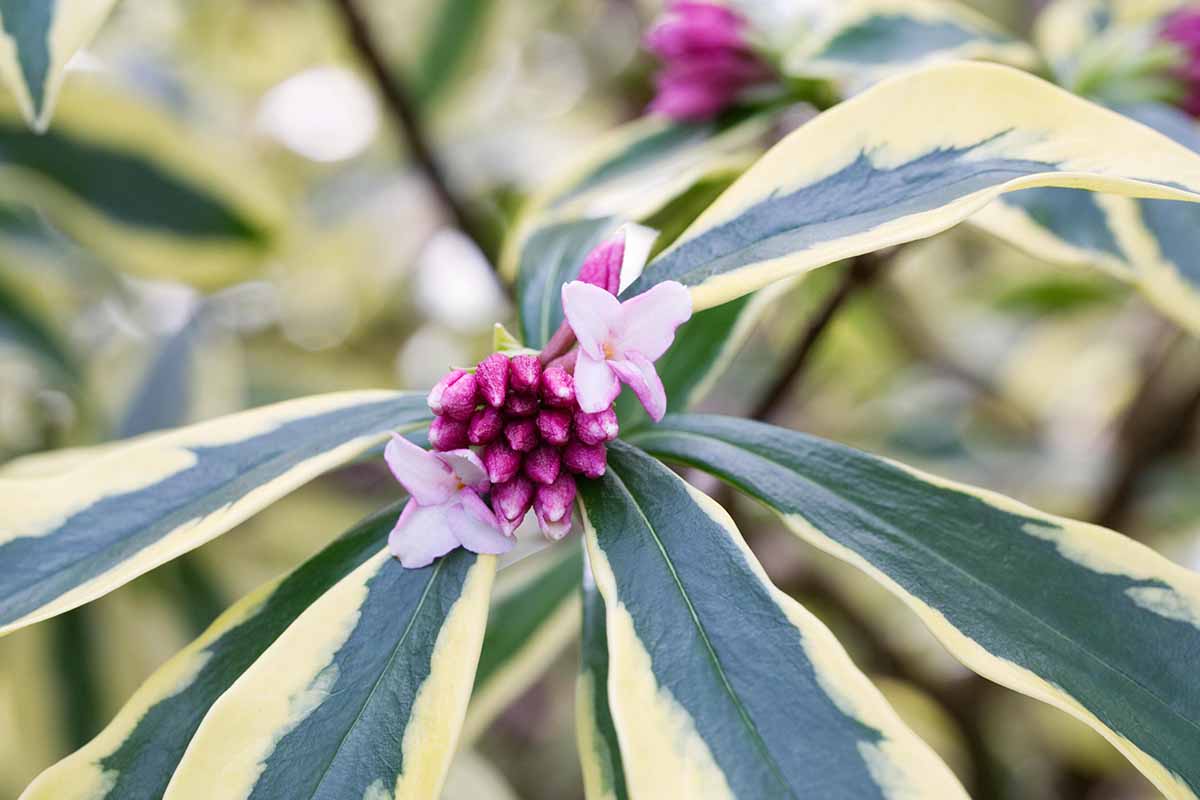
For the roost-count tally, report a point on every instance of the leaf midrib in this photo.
(387, 668)
(756, 735)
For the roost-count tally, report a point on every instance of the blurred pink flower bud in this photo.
(500, 461)
(521, 434)
(707, 60)
(552, 506)
(543, 464)
(589, 460)
(524, 373)
(554, 425)
(511, 500)
(597, 428)
(602, 267)
(558, 387)
(486, 424)
(448, 434)
(520, 405)
(1183, 29)
(454, 395)
(491, 375)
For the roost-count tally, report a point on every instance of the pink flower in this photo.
(445, 509)
(1183, 29)
(619, 342)
(707, 61)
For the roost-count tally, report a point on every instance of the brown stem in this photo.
(1152, 429)
(404, 114)
(559, 344)
(861, 273)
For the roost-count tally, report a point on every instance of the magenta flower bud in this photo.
(552, 506)
(543, 464)
(491, 375)
(520, 405)
(447, 434)
(602, 267)
(554, 425)
(455, 395)
(597, 428)
(439, 390)
(524, 373)
(511, 500)
(589, 460)
(558, 387)
(521, 434)
(486, 424)
(500, 461)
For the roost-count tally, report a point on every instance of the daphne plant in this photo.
(359, 673)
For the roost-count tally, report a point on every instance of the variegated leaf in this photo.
(362, 696)
(843, 184)
(136, 755)
(595, 735)
(69, 537)
(732, 693)
(139, 188)
(1072, 614)
(535, 614)
(38, 40)
(864, 41)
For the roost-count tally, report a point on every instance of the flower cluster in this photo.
(519, 429)
(707, 60)
(1183, 30)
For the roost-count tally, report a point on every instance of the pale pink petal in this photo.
(639, 373)
(424, 475)
(474, 505)
(467, 468)
(421, 534)
(595, 384)
(592, 314)
(648, 321)
(476, 535)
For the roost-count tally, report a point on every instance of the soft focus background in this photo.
(340, 270)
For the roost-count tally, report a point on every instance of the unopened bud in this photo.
(491, 375)
(521, 434)
(486, 424)
(554, 425)
(543, 464)
(500, 461)
(446, 433)
(524, 373)
(589, 460)
(558, 387)
(597, 428)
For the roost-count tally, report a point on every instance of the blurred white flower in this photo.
(323, 114)
(455, 285)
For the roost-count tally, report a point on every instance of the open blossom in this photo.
(1183, 29)
(445, 509)
(619, 342)
(707, 61)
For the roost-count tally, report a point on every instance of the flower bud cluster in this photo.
(531, 435)
(707, 60)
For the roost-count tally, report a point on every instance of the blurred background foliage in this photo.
(223, 214)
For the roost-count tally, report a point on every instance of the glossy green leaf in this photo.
(711, 668)
(69, 537)
(842, 184)
(1073, 614)
(39, 38)
(552, 256)
(25, 326)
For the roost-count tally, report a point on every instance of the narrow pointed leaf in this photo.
(136, 755)
(595, 734)
(39, 39)
(1073, 614)
(843, 184)
(872, 39)
(529, 625)
(362, 696)
(67, 538)
(719, 684)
